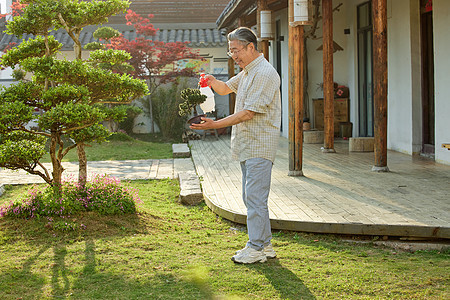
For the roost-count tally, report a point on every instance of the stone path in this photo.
(125, 169)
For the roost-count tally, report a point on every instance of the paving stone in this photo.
(181, 150)
(190, 190)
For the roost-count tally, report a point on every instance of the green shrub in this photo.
(120, 136)
(128, 123)
(104, 195)
(165, 103)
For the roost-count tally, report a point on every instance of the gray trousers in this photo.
(256, 175)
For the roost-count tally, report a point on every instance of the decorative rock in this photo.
(313, 137)
(190, 191)
(181, 151)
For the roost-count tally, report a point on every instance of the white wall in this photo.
(404, 71)
(216, 67)
(399, 77)
(441, 17)
(282, 16)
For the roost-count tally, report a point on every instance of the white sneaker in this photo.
(249, 255)
(268, 251)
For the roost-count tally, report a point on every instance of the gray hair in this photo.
(244, 35)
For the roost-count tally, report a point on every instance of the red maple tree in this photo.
(16, 9)
(153, 60)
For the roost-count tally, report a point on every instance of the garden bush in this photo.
(120, 136)
(103, 194)
(165, 104)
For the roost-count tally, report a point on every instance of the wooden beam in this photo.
(296, 50)
(291, 90)
(232, 96)
(299, 100)
(328, 81)
(231, 73)
(379, 11)
(264, 48)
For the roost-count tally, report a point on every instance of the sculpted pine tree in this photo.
(70, 94)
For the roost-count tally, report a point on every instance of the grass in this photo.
(148, 146)
(170, 251)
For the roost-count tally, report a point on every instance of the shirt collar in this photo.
(253, 63)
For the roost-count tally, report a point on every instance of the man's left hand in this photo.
(207, 124)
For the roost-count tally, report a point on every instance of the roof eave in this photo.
(235, 8)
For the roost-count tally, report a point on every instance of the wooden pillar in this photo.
(299, 99)
(232, 96)
(263, 44)
(296, 50)
(379, 12)
(328, 81)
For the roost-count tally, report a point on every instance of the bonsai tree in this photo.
(192, 98)
(71, 95)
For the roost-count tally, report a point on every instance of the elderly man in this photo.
(254, 138)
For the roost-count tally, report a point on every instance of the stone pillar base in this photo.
(380, 169)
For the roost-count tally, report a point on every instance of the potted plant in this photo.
(192, 98)
(306, 124)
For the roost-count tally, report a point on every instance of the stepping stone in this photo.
(181, 151)
(190, 190)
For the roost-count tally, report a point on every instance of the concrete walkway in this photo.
(338, 194)
(126, 169)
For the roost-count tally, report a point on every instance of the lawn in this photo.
(170, 251)
(123, 147)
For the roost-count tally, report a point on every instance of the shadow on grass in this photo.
(283, 280)
(20, 280)
(45, 270)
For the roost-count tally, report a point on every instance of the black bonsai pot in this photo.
(196, 119)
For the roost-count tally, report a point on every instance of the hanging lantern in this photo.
(300, 12)
(266, 25)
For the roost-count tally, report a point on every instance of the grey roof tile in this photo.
(199, 35)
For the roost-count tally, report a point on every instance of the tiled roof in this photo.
(199, 35)
(176, 11)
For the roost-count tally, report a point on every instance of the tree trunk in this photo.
(82, 163)
(82, 167)
(56, 163)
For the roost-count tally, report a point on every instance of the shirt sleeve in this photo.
(261, 92)
(233, 82)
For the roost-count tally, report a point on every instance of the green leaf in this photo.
(31, 48)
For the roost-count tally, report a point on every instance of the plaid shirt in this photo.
(257, 89)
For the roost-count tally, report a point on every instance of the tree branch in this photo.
(44, 168)
(31, 170)
(74, 37)
(79, 127)
(68, 149)
(34, 132)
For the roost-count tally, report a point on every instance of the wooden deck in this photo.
(338, 194)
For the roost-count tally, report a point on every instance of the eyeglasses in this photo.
(235, 52)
